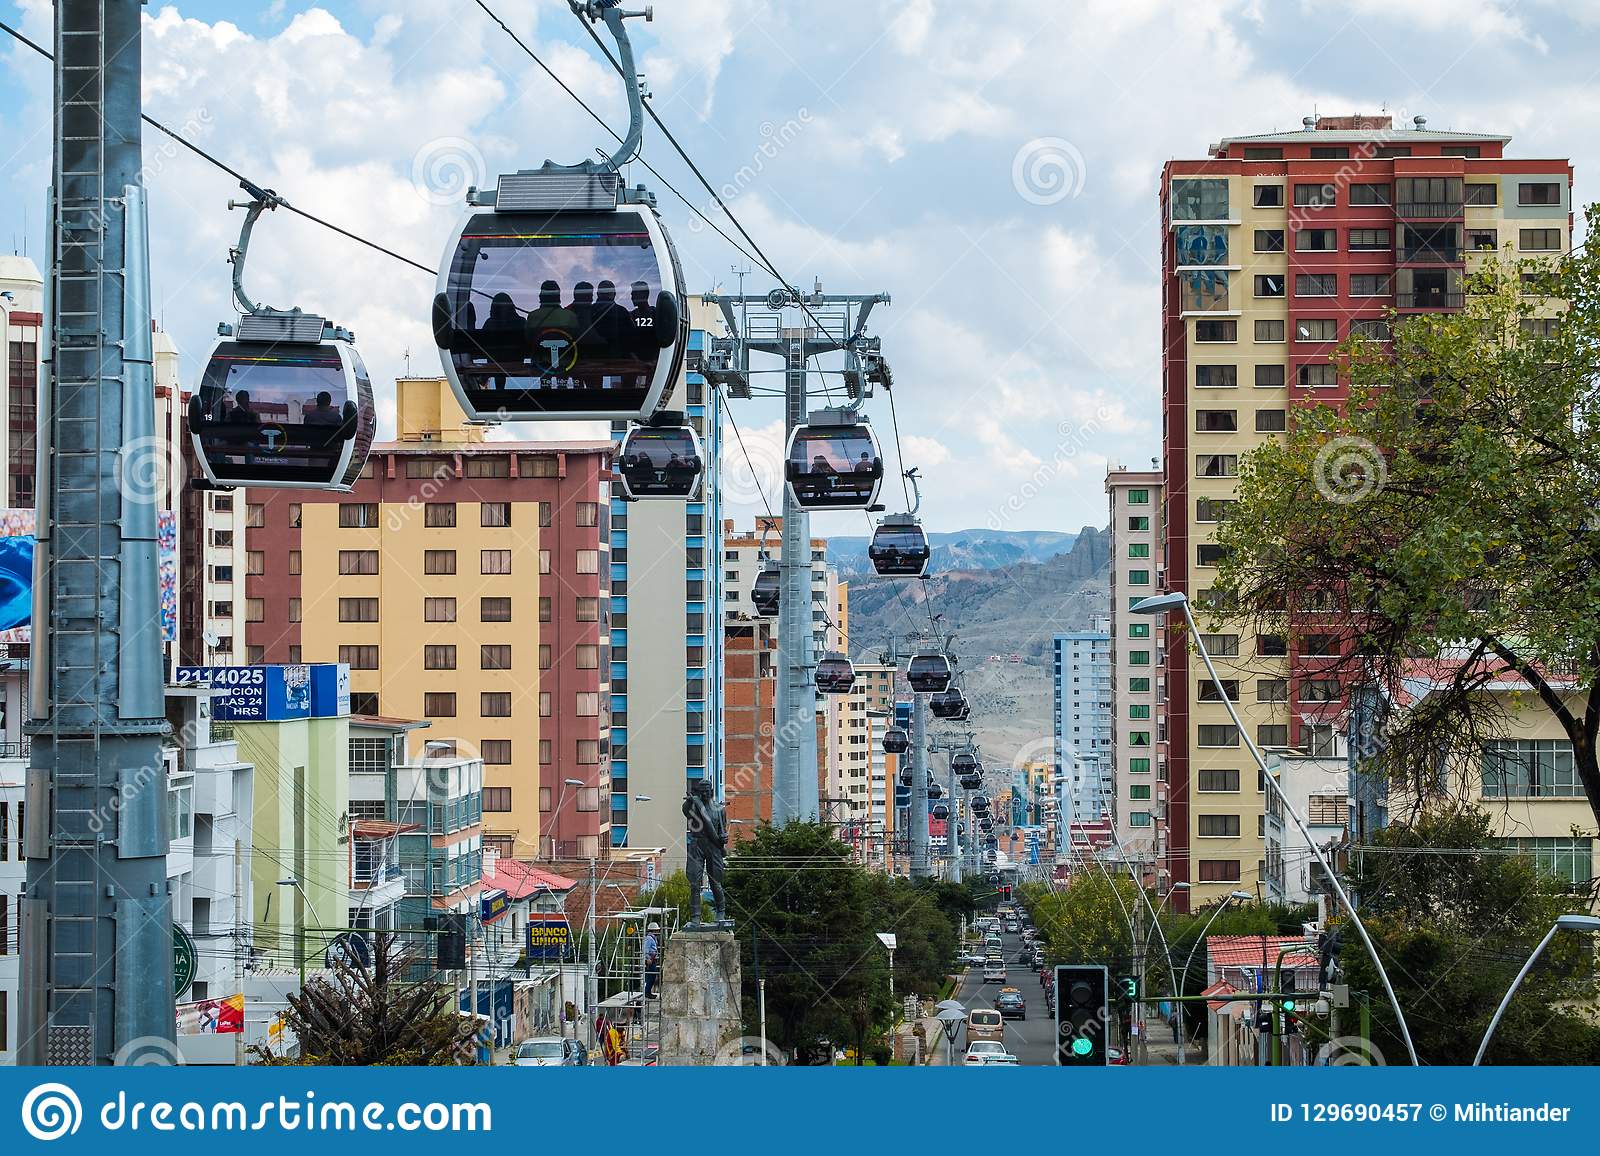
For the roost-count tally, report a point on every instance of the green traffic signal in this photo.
(1288, 1005)
(1081, 1047)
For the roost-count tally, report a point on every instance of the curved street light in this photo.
(1177, 600)
(1183, 1031)
(1562, 923)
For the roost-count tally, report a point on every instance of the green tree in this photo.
(1454, 917)
(1451, 498)
(355, 1015)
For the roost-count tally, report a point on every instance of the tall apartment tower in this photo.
(1082, 713)
(465, 582)
(667, 638)
(1138, 687)
(1275, 248)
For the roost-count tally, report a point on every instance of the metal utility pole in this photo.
(826, 323)
(921, 864)
(96, 916)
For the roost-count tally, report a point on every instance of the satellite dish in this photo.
(211, 639)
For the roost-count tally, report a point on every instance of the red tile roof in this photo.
(1246, 951)
(520, 880)
(1221, 987)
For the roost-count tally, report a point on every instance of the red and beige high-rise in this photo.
(1275, 248)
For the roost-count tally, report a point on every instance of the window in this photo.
(294, 561)
(1272, 690)
(488, 466)
(588, 704)
(1211, 509)
(588, 561)
(1530, 769)
(255, 655)
(358, 610)
(1269, 330)
(1138, 818)
(542, 466)
(1483, 240)
(1219, 870)
(1469, 151)
(1216, 420)
(428, 468)
(1539, 326)
(1315, 196)
(494, 610)
(494, 514)
(363, 702)
(440, 515)
(1320, 645)
(1370, 328)
(1369, 285)
(1271, 421)
(294, 610)
(1140, 766)
(438, 561)
(1216, 465)
(1319, 690)
(1269, 284)
(494, 704)
(438, 609)
(546, 515)
(1139, 685)
(588, 753)
(255, 562)
(496, 798)
(494, 656)
(1138, 630)
(546, 704)
(1209, 554)
(1139, 522)
(1316, 329)
(1330, 152)
(1316, 285)
(1539, 240)
(1138, 738)
(588, 610)
(1216, 376)
(1272, 735)
(1271, 646)
(588, 657)
(1269, 376)
(1369, 194)
(1384, 152)
(439, 704)
(1218, 735)
(1369, 240)
(255, 609)
(358, 515)
(546, 757)
(1221, 645)
(1216, 331)
(1268, 196)
(1217, 826)
(1318, 374)
(1317, 739)
(1316, 240)
(1539, 193)
(494, 561)
(1218, 780)
(587, 513)
(359, 657)
(544, 561)
(1263, 153)
(1138, 549)
(1269, 241)
(1138, 710)
(294, 515)
(496, 752)
(1199, 199)
(1138, 658)
(1571, 860)
(1482, 194)
(544, 656)
(1210, 693)
(225, 573)
(222, 538)
(180, 812)
(358, 561)
(439, 657)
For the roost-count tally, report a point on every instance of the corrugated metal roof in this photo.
(1247, 951)
(1358, 136)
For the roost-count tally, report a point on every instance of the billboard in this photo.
(263, 693)
(549, 935)
(208, 1016)
(16, 574)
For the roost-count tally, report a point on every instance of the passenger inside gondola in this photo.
(323, 412)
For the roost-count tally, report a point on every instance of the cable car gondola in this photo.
(928, 672)
(935, 791)
(940, 811)
(948, 703)
(896, 741)
(964, 763)
(835, 674)
(661, 459)
(833, 462)
(985, 824)
(765, 589)
(899, 548)
(285, 400)
(971, 782)
(905, 776)
(559, 295)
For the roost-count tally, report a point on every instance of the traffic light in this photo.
(450, 945)
(1129, 985)
(1082, 1012)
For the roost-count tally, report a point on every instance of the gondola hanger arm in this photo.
(260, 199)
(612, 14)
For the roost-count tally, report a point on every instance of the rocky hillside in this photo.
(961, 550)
(1003, 617)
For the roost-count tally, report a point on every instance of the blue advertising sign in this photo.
(549, 935)
(330, 689)
(254, 693)
(492, 905)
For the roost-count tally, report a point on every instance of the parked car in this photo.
(984, 1052)
(550, 1052)
(1010, 1004)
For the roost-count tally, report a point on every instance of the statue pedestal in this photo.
(700, 1004)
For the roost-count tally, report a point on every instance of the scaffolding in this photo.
(620, 977)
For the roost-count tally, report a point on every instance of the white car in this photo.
(994, 970)
(982, 1053)
(550, 1052)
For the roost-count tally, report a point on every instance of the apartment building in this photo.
(465, 582)
(1082, 720)
(1138, 644)
(741, 552)
(666, 582)
(855, 736)
(750, 691)
(1275, 248)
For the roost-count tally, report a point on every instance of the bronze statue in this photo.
(707, 843)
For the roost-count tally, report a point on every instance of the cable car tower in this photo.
(797, 328)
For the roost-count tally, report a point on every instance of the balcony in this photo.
(1430, 300)
(1429, 255)
(1429, 210)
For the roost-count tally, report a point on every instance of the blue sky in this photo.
(877, 146)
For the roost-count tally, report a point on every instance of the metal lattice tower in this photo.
(827, 323)
(96, 916)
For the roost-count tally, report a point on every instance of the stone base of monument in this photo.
(700, 1009)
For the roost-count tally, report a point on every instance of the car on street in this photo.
(994, 970)
(981, 1053)
(1010, 1004)
(973, 957)
(984, 1023)
(1012, 927)
(550, 1052)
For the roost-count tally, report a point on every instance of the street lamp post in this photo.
(301, 925)
(1183, 1031)
(951, 1016)
(1562, 923)
(1177, 600)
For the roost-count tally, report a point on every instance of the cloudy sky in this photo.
(991, 166)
